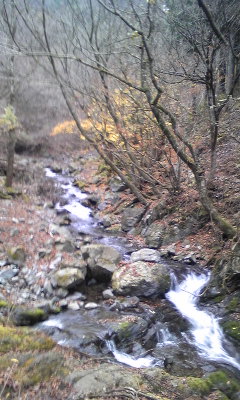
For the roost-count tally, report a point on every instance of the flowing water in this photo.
(203, 335)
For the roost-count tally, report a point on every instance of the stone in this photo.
(8, 274)
(68, 247)
(61, 293)
(141, 279)
(75, 305)
(63, 304)
(108, 294)
(117, 185)
(154, 235)
(91, 306)
(101, 260)
(14, 232)
(17, 255)
(97, 381)
(25, 317)
(77, 296)
(69, 278)
(146, 255)
(130, 217)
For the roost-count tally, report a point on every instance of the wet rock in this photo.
(63, 304)
(141, 279)
(91, 306)
(145, 255)
(69, 278)
(130, 217)
(17, 255)
(101, 260)
(25, 317)
(77, 296)
(117, 185)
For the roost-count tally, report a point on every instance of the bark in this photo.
(10, 157)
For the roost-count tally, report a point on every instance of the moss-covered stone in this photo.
(24, 317)
(80, 184)
(232, 328)
(233, 304)
(219, 381)
(23, 339)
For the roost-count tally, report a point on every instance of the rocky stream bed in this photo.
(142, 322)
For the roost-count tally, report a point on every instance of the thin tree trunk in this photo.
(10, 157)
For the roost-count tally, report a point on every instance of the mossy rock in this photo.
(4, 196)
(39, 368)
(233, 304)
(27, 317)
(17, 255)
(80, 184)
(23, 339)
(219, 381)
(232, 329)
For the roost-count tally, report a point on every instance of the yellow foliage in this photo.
(64, 127)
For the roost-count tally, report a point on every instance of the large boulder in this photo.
(130, 217)
(146, 255)
(69, 278)
(141, 279)
(101, 260)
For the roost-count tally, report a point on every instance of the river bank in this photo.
(46, 234)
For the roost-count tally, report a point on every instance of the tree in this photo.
(132, 60)
(9, 125)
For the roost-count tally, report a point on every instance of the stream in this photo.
(175, 333)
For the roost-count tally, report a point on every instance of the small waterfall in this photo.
(206, 334)
(124, 358)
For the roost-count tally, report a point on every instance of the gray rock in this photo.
(68, 247)
(117, 185)
(8, 274)
(63, 304)
(14, 232)
(141, 279)
(75, 305)
(154, 235)
(130, 217)
(91, 306)
(98, 381)
(77, 296)
(25, 317)
(145, 255)
(101, 260)
(108, 294)
(61, 293)
(69, 278)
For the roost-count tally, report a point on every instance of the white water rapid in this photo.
(141, 362)
(206, 334)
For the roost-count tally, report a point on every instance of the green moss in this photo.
(80, 184)
(232, 328)
(216, 381)
(40, 368)
(218, 299)
(233, 304)
(23, 339)
(22, 317)
(199, 385)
